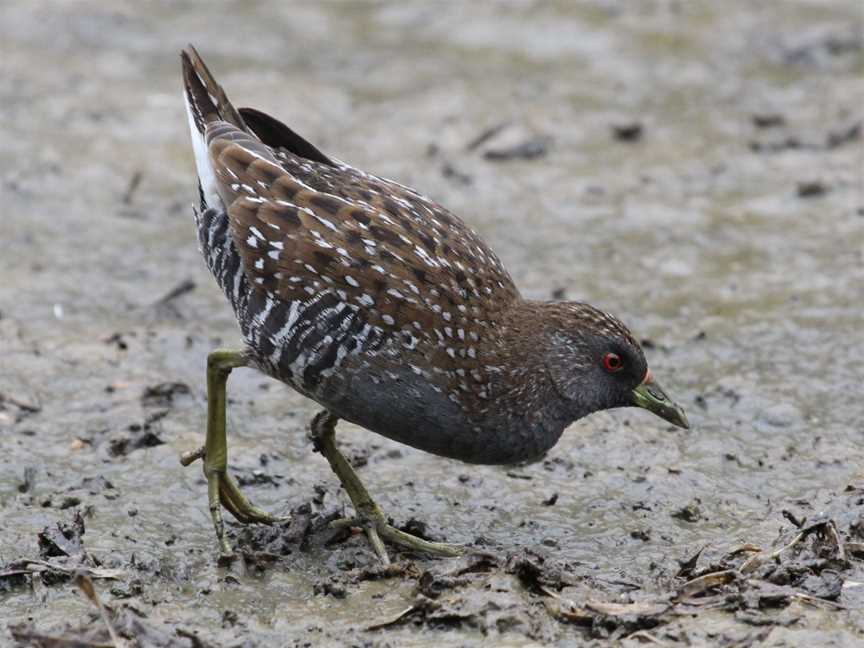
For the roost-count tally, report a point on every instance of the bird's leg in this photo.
(221, 489)
(369, 515)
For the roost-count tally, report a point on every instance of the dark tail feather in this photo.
(276, 134)
(209, 103)
(206, 97)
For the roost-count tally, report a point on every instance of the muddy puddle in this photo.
(693, 167)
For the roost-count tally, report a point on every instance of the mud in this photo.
(694, 167)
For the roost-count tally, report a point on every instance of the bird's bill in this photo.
(650, 396)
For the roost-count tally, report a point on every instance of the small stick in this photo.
(841, 549)
(816, 602)
(134, 181)
(86, 585)
(642, 634)
(794, 520)
(757, 559)
(187, 285)
(485, 136)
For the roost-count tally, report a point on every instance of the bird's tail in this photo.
(206, 103)
(206, 99)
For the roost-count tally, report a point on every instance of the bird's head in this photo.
(596, 364)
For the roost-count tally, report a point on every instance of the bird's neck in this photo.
(524, 391)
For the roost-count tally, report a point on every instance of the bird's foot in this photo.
(369, 516)
(377, 530)
(222, 491)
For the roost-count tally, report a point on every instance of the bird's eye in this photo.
(612, 362)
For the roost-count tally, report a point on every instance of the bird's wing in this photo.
(303, 226)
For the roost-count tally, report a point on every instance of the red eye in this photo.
(612, 362)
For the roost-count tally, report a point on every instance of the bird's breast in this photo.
(405, 406)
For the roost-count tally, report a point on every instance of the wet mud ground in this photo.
(694, 167)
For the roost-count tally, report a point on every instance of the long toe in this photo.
(240, 507)
(409, 541)
(377, 531)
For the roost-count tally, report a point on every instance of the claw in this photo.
(377, 544)
(239, 505)
(224, 492)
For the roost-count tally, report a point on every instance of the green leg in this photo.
(369, 517)
(221, 489)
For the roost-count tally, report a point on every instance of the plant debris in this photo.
(61, 556)
(163, 394)
(527, 150)
(629, 132)
(812, 189)
(485, 592)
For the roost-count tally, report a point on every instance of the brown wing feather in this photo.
(303, 227)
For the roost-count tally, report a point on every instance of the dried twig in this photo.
(485, 136)
(86, 585)
(399, 618)
(756, 560)
(134, 181)
(835, 535)
(29, 637)
(32, 566)
(32, 408)
(855, 549)
(185, 286)
(816, 601)
(647, 636)
(696, 586)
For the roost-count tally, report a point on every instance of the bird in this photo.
(387, 310)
